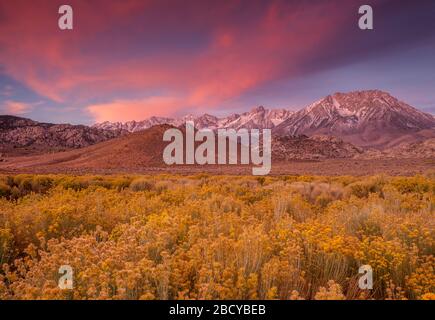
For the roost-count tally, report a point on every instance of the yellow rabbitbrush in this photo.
(216, 237)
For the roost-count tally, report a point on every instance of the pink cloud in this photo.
(49, 61)
(73, 67)
(16, 108)
(126, 110)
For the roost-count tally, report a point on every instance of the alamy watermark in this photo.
(365, 21)
(66, 279)
(365, 282)
(255, 147)
(65, 21)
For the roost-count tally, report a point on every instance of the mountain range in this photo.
(257, 118)
(370, 119)
(341, 125)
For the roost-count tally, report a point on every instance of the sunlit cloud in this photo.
(235, 58)
(126, 110)
(10, 107)
(191, 55)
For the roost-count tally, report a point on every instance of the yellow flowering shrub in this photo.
(216, 237)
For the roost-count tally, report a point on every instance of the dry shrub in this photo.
(5, 190)
(362, 189)
(216, 237)
(142, 184)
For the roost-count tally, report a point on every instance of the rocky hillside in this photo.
(20, 136)
(144, 149)
(312, 148)
(133, 151)
(415, 150)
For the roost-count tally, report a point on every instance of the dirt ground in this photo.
(355, 167)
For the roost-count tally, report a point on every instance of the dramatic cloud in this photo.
(191, 54)
(16, 107)
(125, 110)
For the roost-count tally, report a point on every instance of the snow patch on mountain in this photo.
(257, 118)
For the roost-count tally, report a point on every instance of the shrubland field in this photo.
(216, 237)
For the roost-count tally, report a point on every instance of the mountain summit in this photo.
(370, 118)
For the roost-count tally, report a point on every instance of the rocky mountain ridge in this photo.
(24, 136)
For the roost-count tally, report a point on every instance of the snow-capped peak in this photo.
(259, 117)
(370, 115)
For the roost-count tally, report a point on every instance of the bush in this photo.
(5, 190)
(41, 184)
(141, 184)
(362, 189)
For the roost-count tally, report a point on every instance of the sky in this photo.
(132, 59)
